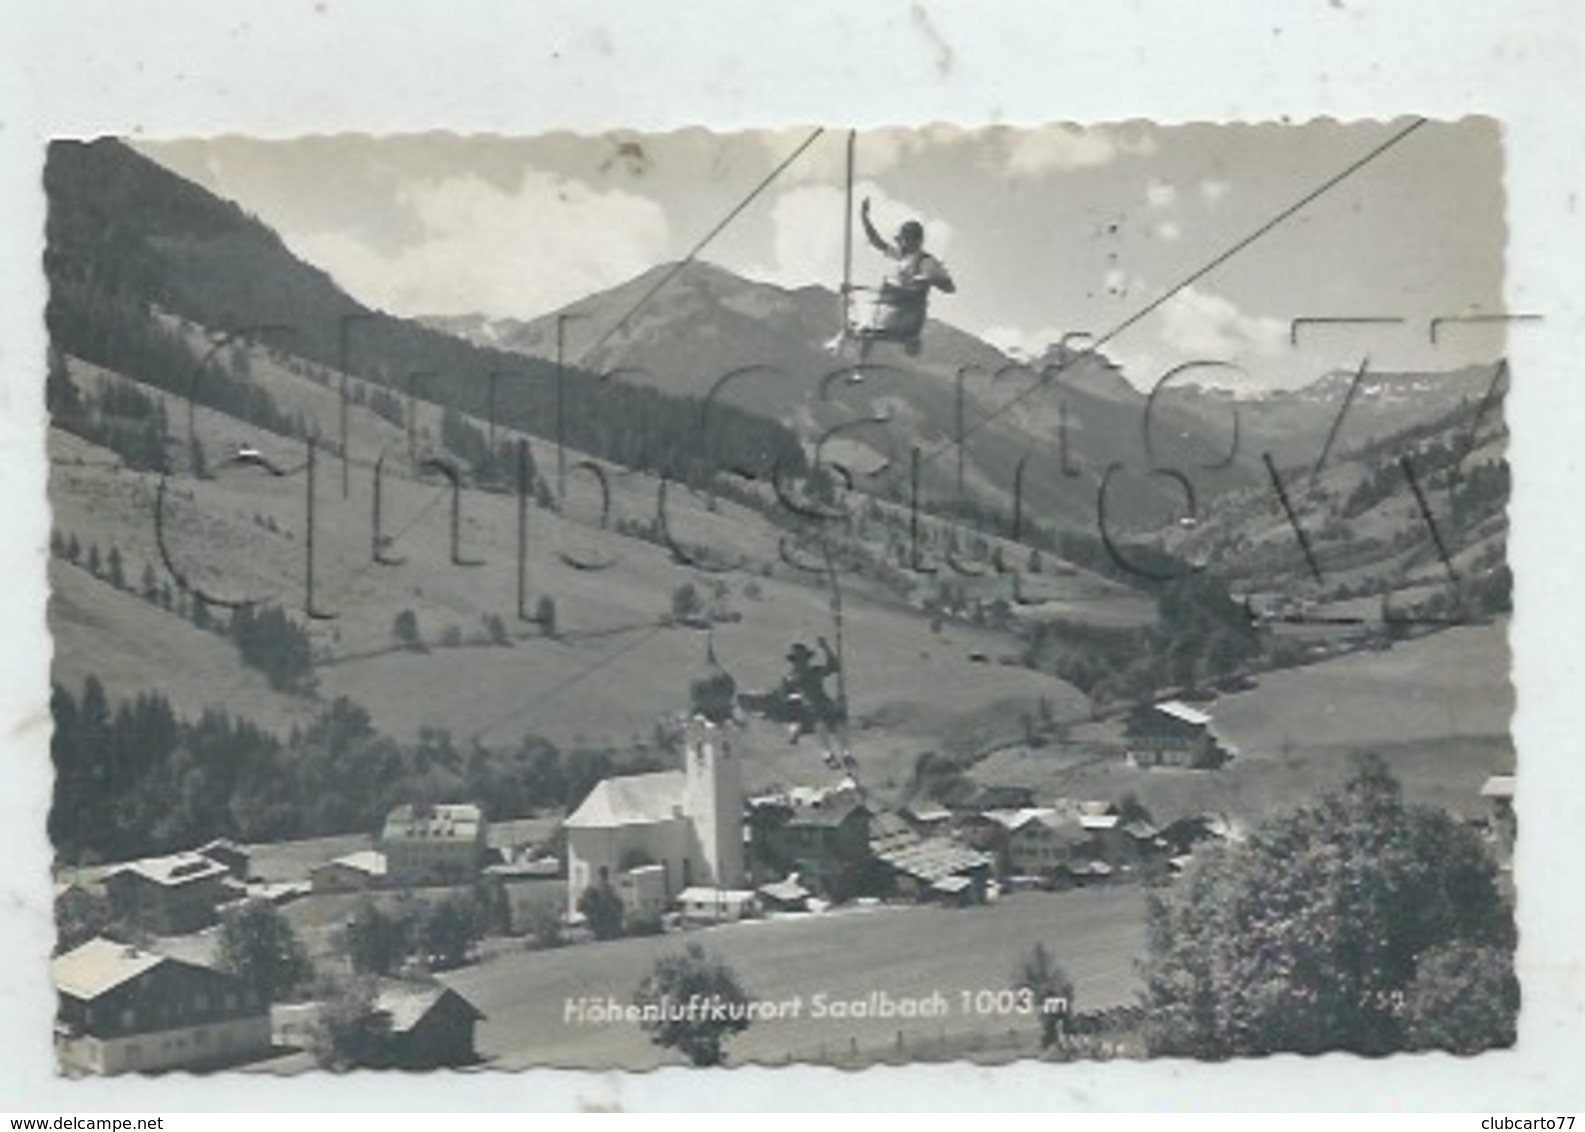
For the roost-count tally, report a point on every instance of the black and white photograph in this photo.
(820, 596)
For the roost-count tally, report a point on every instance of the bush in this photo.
(1306, 937)
(602, 910)
(405, 630)
(544, 925)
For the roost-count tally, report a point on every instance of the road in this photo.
(908, 952)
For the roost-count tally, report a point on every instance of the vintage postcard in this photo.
(812, 596)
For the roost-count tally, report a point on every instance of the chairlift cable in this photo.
(705, 240)
(847, 240)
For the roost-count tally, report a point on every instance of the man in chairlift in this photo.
(811, 707)
(903, 302)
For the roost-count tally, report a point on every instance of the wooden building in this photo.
(426, 1028)
(355, 872)
(122, 1010)
(828, 846)
(1174, 734)
(170, 895)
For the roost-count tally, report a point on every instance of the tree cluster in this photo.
(437, 935)
(122, 417)
(1359, 923)
(269, 640)
(259, 946)
(125, 236)
(133, 779)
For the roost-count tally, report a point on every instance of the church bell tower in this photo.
(714, 801)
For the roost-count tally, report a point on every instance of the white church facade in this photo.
(652, 836)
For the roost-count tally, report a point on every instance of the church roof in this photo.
(633, 799)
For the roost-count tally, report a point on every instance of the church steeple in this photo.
(714, 790)
(712, 693)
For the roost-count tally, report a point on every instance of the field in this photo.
(1451, 684)
(1095, 934)
(613, 669)
(1436, 708)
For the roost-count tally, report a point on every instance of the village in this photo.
(144, 987)
(486, 758)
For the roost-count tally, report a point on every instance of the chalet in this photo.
(1174, 734)
(928, 868)
(425, 1028)
(125, 1010)
(1046, 840)
(431, 845)
(356, 872)
(828, 846)
(1110, 842)
(940, 870)
(169, 895)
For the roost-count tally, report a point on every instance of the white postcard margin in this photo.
(293, 67)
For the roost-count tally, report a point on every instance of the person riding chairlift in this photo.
(903, 303)
(811, 707)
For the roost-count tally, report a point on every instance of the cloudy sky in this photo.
(1047, 231)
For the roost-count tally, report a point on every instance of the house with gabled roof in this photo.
(1173, 733)
(121, 1009)
(927, 868)
(828, 846)
(1044, 840)
(425, 1028)
(170, 895)
(937, 869)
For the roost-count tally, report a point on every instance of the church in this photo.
(652, 836)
